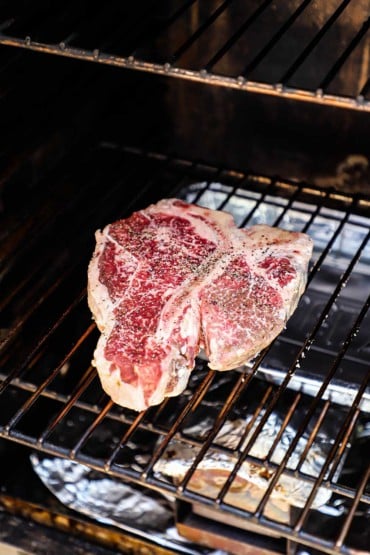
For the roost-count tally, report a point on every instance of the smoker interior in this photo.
(266, 77)
(86, 142)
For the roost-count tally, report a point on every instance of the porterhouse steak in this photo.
(175, 278)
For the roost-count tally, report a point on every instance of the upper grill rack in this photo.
(51, 399)
(306, 50)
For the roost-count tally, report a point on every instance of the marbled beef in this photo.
(175, 278)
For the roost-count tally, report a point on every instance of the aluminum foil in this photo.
(253, 478)
(111, 501)
(144, 512)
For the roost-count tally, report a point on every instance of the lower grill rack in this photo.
(278, 447)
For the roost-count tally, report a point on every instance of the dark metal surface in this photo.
(311, 51)
(22, 536)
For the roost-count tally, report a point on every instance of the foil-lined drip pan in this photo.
(112, 502)
(253, 478)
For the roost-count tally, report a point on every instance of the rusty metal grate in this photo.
(52, 402)
(306, 50)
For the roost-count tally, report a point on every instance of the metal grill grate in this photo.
(311, 385)
(307, 50)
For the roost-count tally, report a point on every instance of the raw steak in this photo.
(175, 278)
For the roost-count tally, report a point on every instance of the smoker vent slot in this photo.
(304, 50)
(289, 418)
